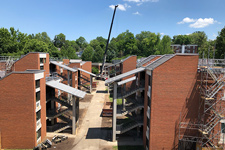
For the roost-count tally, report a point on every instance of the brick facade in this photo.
(172, 83)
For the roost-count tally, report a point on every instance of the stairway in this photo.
(130, 92)
(62, 102)
(128, 126)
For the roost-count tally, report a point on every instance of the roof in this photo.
(160, 61)
(121, 61)
(75, 60)
(149, 58)
(63, 66)
(121, 76)
(86, 72)
(66, 88)
(127, 80)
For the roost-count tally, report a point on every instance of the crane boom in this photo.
(103, 64)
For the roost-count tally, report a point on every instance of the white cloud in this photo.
(136, 13)
(188, 33)
(162, 33)
(201, 23)
(139, 4)
(141, 1)
(121, 7)
(214, 35)
(186, 20)
(198, 23)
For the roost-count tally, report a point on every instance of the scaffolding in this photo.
(208, 132)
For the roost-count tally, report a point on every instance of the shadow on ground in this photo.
(99, 91)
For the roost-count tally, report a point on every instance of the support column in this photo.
(68, 83)
(74, 116)
(114, 111)
(123, 101)
(91, 83)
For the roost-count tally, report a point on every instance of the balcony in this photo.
(38, 106)
(38, 124)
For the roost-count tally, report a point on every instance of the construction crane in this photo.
(103, 63)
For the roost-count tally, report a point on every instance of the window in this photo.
(149, 80)
(222, 127)
(42, 60)
(38, 115)
(41, 67)
(38, 134)
(37, 96)
(37, 83)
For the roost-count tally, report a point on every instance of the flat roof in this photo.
(121, 76)
(127, 80)
(66, 88)
(63, 66)
(86, 72)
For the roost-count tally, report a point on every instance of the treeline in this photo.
(15, 43)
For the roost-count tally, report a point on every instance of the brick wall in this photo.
(87, 66)
(128, 65)
(17, 119)
(29, 61)
(173, 92)
(43, 108)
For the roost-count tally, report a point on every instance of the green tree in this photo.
(164, 46)
(147, 43)
(59, 40)
(34, 45)
(220, 44)
(98, 54)
(181, 39)
(82, 43)
(87, 54)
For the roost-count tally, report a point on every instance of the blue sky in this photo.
(92, 18)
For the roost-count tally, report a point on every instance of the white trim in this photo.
(222, 120)
(41, 64)
(149, 91)
(38, 76)
(38, 106)
(147, 133)
(39, 139)
(38, 125)
(42, 55)
(149, 72)
(148, 112)
(37, 89)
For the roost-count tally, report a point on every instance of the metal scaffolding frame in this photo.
(211, 112)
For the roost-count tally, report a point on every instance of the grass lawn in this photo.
(119, 101)
(128, 147)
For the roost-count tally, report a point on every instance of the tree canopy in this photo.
(14, 42)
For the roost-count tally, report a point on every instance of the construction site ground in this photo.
(94, 132)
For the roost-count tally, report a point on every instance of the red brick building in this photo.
(29, 95)
(162, 87)
(189, 48)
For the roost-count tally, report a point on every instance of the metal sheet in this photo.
(121, 76)
(86, 72)
(63, 66)
(127, 80)
(66, 88)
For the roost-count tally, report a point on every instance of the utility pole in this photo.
(103, 64)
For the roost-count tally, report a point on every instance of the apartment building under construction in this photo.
(38, 95)
(169, 100)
